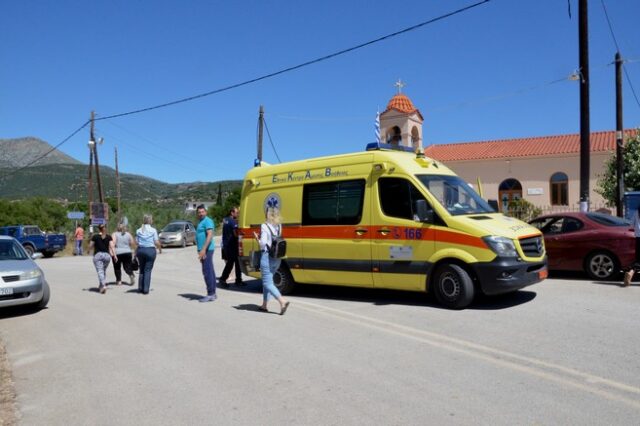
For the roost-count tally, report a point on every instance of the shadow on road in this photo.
(191, 296)
(251, 307)
(382, 297)
(582, 276)
(19, 311)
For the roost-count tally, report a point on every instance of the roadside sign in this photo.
(75, 215)
(98, 221)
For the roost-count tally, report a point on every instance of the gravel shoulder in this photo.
(8, 410)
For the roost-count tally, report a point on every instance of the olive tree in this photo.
(631, 159)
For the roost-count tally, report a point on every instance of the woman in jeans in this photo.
(123, 242)
(269, 265)
(147, 239)
(102, 247)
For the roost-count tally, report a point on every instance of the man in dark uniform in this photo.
(230, 247)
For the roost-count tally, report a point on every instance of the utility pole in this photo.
(117, 186)
(93, 146)
(90, 178)
(619, 139)
(585, 130)
(260, 126)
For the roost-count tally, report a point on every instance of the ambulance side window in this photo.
(398, 197)
(333, 203)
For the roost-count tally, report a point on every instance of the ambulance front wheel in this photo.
(453, 286)
(283, 279)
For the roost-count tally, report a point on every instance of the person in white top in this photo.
(269, 265)
(123, 243)
(628, 276)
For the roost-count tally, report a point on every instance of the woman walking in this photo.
(123, 244)
(269, 265)
(103, 251)
(147, 239)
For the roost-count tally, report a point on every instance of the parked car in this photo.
(178, 233)
(22, 282)
(599, 244)
(34, 240)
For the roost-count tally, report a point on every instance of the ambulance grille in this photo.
(532, 247)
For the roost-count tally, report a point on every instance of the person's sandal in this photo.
(284, 308)
(261, 309)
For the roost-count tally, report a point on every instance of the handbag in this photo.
(254, 259)
(134, 263)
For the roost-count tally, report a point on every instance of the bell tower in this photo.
(401, 122)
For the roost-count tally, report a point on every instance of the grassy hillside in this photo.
(69, 182)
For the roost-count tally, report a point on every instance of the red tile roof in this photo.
(401, 102)
(524, 147)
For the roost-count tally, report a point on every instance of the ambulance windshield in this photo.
(455, 195)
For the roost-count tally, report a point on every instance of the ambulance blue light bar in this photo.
(377, 146)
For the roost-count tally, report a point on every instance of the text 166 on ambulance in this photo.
(392, 219)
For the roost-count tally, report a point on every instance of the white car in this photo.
(22, 282)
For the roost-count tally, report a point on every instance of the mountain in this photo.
(61, 177)
(22, 151)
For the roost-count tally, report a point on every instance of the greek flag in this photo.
(377, 127)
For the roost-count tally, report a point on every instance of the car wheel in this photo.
(453, 286)
(283, 279)
(29, 249)
(45, 297)
(602, 265)
(184, 241)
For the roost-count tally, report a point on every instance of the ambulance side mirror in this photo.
(423, 212)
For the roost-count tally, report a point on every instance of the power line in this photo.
(295, 67)
(13, 172)
(270, 141)
(615, 41)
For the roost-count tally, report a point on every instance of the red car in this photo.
(599, 244)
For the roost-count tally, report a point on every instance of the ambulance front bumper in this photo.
(506, 275)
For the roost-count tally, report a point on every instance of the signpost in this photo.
(75, 215)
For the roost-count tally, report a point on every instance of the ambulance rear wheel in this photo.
(283, 279)
(453, 286)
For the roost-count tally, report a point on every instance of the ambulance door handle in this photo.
(361, 231)
(384, 231)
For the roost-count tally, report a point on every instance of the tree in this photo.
(631, 159)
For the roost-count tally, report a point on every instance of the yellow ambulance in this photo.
(384, 218)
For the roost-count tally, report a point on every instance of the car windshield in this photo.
(173, 227)
(608, 220)
(11, 250)
(455, 195)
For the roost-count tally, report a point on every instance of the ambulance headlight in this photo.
(503, 247)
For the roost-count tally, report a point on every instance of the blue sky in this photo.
(481, 75)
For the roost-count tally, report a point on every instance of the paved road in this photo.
(563, 352)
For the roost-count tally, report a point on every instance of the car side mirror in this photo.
(423, 213)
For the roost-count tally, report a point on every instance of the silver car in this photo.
(179, 233)
(22, 282)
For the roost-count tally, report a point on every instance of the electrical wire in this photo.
(272, 145)
(295, 67)
(615, 41)
(13, 172)
(157, 145)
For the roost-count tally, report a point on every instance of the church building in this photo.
(544, 170)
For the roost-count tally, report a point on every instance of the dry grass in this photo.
(8, 410)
